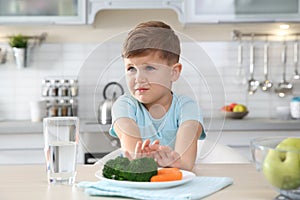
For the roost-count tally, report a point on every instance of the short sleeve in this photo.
(189, 110)
(124, 106)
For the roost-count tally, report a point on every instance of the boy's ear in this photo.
(176, 70)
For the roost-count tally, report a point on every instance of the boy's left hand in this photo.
(166, 157)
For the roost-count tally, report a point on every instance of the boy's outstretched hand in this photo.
(143, 149)
(164, 155)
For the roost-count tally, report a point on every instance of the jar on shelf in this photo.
(72, 111)
(295, 107)
(73, 87)
(53, 89)
(53, 108)
(63, 107)
(63, 89)
(45, 87)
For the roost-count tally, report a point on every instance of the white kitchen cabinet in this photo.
(215, 11)
(95, 6)
(43, 12)
(94, 145)
(21, 148)
(208, 11)
(22, 142)
(240, 140)
(188, 11)
(28, 148)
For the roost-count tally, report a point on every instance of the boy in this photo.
(153, 121)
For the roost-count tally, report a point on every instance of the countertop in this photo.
(246, 124)
(29, 182)
(26, 126)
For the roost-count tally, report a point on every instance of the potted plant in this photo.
(19, 44)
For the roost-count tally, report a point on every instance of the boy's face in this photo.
(149, 77)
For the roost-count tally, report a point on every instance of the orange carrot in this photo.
(167, 170)
(172, 176)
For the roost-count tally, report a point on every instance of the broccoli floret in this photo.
(141, 169)
(114, 168)
(120, 168)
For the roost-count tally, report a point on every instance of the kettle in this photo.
(104, 110)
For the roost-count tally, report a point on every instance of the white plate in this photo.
(186, 177)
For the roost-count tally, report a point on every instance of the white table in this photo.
(28, 182)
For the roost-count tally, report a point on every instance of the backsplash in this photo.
(211, 78)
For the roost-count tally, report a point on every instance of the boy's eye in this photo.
(131, 69)
(150, 68)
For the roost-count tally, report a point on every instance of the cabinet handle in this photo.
(21, 149)
(238, 146)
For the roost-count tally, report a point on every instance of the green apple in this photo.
(289, 144)
(281, 166)
(239, 108)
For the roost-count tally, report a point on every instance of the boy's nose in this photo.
(140, 77)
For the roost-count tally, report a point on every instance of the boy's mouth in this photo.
(141, 89)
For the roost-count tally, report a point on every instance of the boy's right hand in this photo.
(143, 149)
(148, 148)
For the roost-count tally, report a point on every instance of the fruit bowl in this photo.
(235, 115)
(278, 159)
(235, 111)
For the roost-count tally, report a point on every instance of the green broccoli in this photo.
(140, 169)
(114, 168)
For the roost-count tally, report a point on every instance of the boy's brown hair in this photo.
(152, 36)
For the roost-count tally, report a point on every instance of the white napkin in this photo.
(198, 188)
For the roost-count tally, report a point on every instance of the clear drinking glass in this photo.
(61, 135)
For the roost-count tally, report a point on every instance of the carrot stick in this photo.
(167, 170)
(173, 176)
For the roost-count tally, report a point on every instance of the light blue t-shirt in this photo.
(183, 108)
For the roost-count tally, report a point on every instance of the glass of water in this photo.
(61, 136)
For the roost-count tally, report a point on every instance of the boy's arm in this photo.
(128, 133)
(186, 143)
(185, 152)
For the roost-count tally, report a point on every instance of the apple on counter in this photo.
(281, 166)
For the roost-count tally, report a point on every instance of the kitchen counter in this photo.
(247, 124)
(24, 126)
(251, 124)
(29, 182)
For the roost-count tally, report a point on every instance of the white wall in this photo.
(68, 50)
(97, 64)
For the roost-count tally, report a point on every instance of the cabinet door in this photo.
(240, 140)
(18, 148)
(21, 156)
(97, 5)
(214, 11)
(43, 11)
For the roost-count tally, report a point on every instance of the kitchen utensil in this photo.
(240, 73)
(284, 87)
(266, 85)
(252, 83)
(104, 111)
(296, 48)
